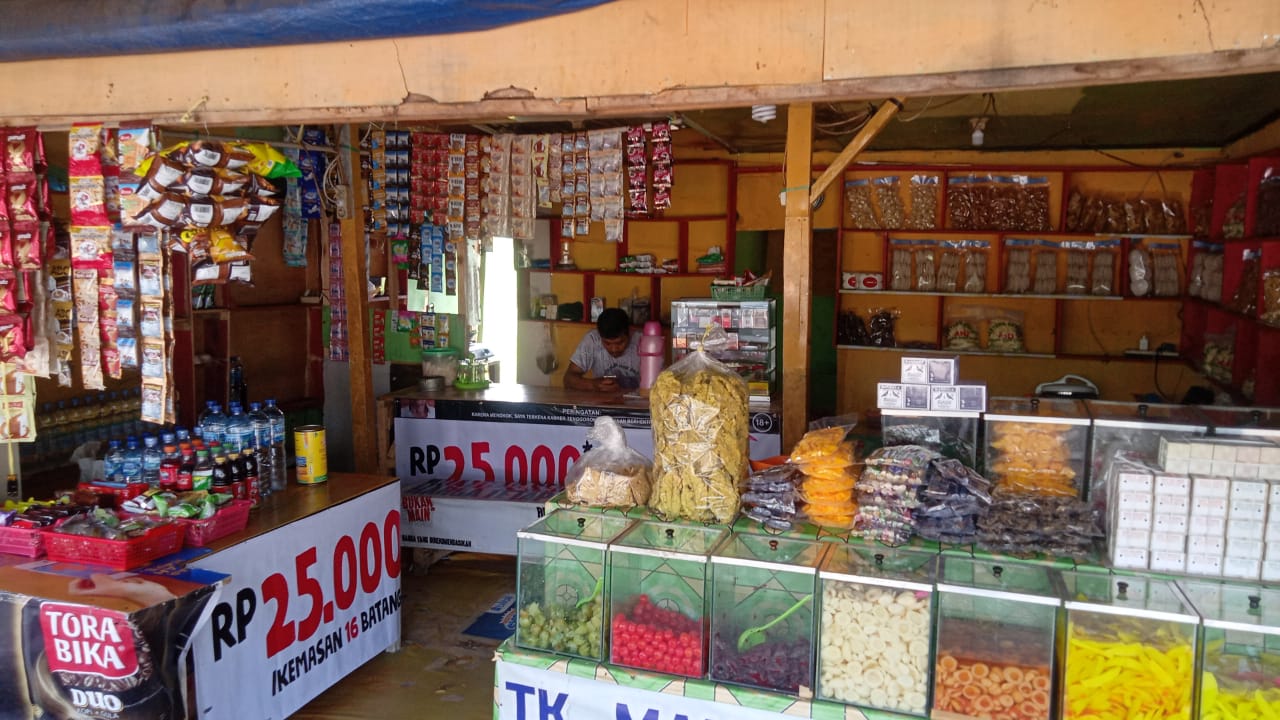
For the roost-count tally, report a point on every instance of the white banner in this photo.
(443, 522)
(528, 693)
(515, 453)
(306, 604)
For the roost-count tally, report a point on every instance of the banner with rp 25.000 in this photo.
(307, 604)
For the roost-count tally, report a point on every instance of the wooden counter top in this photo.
(299, 501)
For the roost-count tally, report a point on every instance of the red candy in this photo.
(657, 639)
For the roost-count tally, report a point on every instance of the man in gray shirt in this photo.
(607, 359)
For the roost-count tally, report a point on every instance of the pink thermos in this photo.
(651, 350)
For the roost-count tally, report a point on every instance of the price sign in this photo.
(307, 604)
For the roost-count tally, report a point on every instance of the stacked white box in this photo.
(1206, 520)
(1270, 571)
(1131, 509)
(1246, 521)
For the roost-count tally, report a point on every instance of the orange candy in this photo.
(991, 690)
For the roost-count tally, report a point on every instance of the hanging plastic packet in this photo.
(1006, 196)
(900, 276)
(975, 265)
(91, 248)
(861, 210)
(22, 150)
(1018, 265)
(1103, 270)
(924, 202)
(1046, 277)
(926, 268)
(889, 201)
(949, 268)
(1004, 334)
(1077, 279)
(1140, 272)
(84, 150)
(1034, 204)
(1166, 259)
(959, 202)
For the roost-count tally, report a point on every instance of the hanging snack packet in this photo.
(926, 269)
(889, 200)
(91, 248)
(1077, 281)
(959, 203)
(26, 246)
(152, 365)
(1046, 278)
(1004, 334)
(924, 202)
(13, 337)
(22, 192)
(21, 149)
(85, 148)
(975, 266)
(1103, 272)
(861, 211)
(8, 290)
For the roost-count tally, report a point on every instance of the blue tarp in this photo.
(33, 29)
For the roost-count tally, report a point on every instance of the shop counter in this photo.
(256, 625)
(477, 466)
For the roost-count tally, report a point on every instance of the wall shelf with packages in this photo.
(1032, 245)
(1231, 312)
(937, 351)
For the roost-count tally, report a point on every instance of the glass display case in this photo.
(1239, 649)
(762, 610)
(953, 434)
(1130, 648)
(657, 596)
(1244, 422)
(560, 588)
(996, 639)
(752, 350)
(875, 628)
(1037, 446)
(1134, 429)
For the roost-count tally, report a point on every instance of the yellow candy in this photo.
(1128, 681)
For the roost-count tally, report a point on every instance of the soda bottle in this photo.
(202, 472)
(151, 458)
(186, 468)
(252, 478)
(169, 467)
(235, 475)
(221, 479)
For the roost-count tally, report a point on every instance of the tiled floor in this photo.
(439, 672)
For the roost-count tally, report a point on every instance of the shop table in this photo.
(255, 625)
(477, 466)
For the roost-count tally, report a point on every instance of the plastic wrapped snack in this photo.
(952, 500)
(888, 491)
(1034, 459)
(1028, 524)
(770, 496)
(889, 200)
(858, 195)
(924, 202)
(610, 474)
(700, 432)
(828, 464)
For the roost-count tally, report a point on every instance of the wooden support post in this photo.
(355, 280)
(874, 125)
(797, 289)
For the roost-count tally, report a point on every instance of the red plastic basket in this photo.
(117, 554)
(230, 519)
(27, 542)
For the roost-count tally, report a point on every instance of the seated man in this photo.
(607, 359)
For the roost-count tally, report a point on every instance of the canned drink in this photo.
(313, 460)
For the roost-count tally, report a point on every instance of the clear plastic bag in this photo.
(924, 202)
(700, 433)
(1139, 272)
(770, 496)
(959, 203)
(975, 266)
(1077, 281)
(926, 269)
(889, 199)
(857, 194)
(610, 474)
(900, 270)
(1018, 269)
(1046, 277)
(1103, 269)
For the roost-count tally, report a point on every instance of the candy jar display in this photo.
(1130, 648)
(657, 596)
(1135, 428)
(561, 584)
(1037, 446)
(762, 611)
(1244, 422)
(953, 434)
(1239, 649)
(876, 619)
(996, 639)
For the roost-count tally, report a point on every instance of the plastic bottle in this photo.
(170, 464)
(182, 433)
(652, 345)
(187, 468)
(214, 427)
(202, 471)
(240, 432)
(220, 478)
(254, 490)
(132, 466)
(151, 458)
(239, 391)
(235, 475)
(275, 461)
(113, 463)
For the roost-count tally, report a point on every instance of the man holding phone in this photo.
(608, 358)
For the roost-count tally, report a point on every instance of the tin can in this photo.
(313, 460)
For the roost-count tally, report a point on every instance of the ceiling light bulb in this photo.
(977, 138)
(764, 113)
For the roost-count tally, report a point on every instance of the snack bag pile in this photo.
(1034, 459)
(830, 471)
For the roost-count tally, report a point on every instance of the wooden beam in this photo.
(869, 131)
(355, 280)
(797, 255)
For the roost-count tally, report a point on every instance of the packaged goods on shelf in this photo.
(952, 434)
(875, 626)
(770, 496)
(888, 492)
(829, 465)
(1037, 446)
(1139, 216)
(762, 612)
(861, 210)
(953, 501)
(924, 202)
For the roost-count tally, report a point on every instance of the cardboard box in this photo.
(891, 396)
(1200, 466)
(1130, 558)
(1271, 531)
(915, 397)
(1269, 454)
(973, 398)
(1133, 520)
(1201, 450)
(1206, 544)
(1209, 507)
(1180, 504)
(1222, 467)
(1251, 490)
(1244, 550)
(1273, 493)
(1247, 510)
(1245, 529)
(1162, 561)
(1201, 525)
(1209, 486)
(1173, 484)
(1135, 501)
(1173, 449)
(1271, 551)
(1247, 471)
(1169, 523)
(944, 397)
(1177, 466)
(1210, 565)
(1271, 571)
(1130, 538)
(1240, 569)
(1268, 471)
(1134, 480)
(915, 370)
(1168, 542)
(1224, 451)
(944, 371)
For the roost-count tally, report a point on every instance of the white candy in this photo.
(874, 647)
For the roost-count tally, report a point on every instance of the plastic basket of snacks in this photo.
(27, 542)
(230, 518)
(22, 532)
(118, 542)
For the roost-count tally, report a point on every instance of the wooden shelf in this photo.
(1047, 234)
(935, 351)
(1020, 296)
